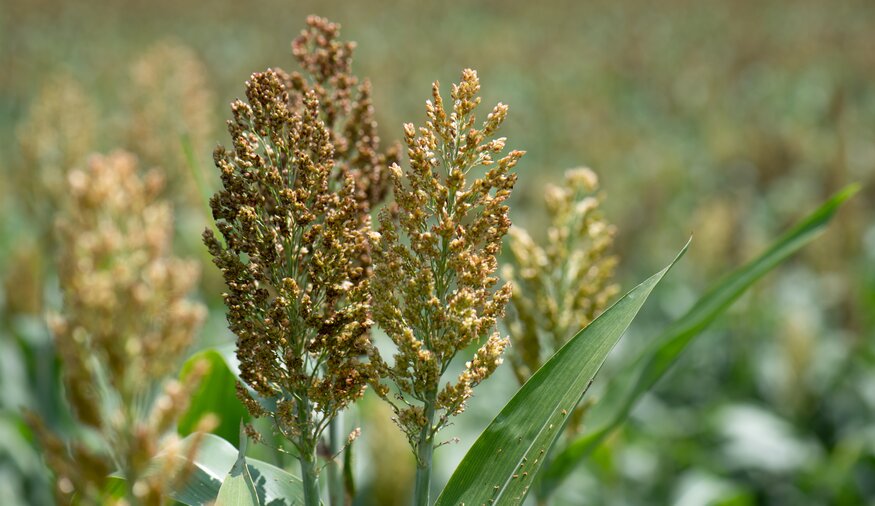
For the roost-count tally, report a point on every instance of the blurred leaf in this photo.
(114, 489)
(16, 446)
(217, 393)
(15, 389)
(203, 188)
(215, 457)
(696, 487)
(23, 477)
(238, 489)
(228, 353)
(504, 460)
(756, 439)
(625, 390)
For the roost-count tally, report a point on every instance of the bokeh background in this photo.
(727, 120)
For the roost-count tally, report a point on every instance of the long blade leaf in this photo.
(501, 465)
(624, 391)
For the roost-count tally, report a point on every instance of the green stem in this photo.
(307, 450)
(424, 452)
(126, 460)
(130, 482)
(336, 494)
(309, 478)
(130, 496)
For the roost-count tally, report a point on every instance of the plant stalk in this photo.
(309, 472)
(309, 478)
(336, 493)
(126, 461)
(424, 452)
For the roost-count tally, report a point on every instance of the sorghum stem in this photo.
(309, 478)
(127, 459)
(424, 452)
(336, 495)
(307, 450)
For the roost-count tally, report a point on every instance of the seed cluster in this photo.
(345, 109)
(298, 186)
(435, 259)
(298, 296)
(126, 323)
(562, 287)
(172, 111)
(57, 134)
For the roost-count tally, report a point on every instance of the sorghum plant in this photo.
(435, 262)
(126, 322)
(295, 214)
(297, 295)
(561, 287)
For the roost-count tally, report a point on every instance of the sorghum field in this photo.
(374, 253)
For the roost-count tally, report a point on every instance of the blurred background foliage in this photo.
(724, 119)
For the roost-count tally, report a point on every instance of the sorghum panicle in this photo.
(560, 288)
(171, 110)
(56, 135)
(346, 109)
(126, 323)
(124, 294)
(297, 297)
(434, 268)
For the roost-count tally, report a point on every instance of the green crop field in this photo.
(379, 290)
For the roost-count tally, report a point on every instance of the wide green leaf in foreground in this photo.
(212, 465)
(624, 391)
(238, 488)
(502, 464)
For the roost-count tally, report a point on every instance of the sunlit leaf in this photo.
(625, 390)
(502, 464)
(238, 489)
(213, 462)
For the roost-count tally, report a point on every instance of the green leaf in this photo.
(228, 352)
(203, 188)
(217, 393)
(501, 465)
(215, 457)
(238, 489)
(16, 444)
(625, 390)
